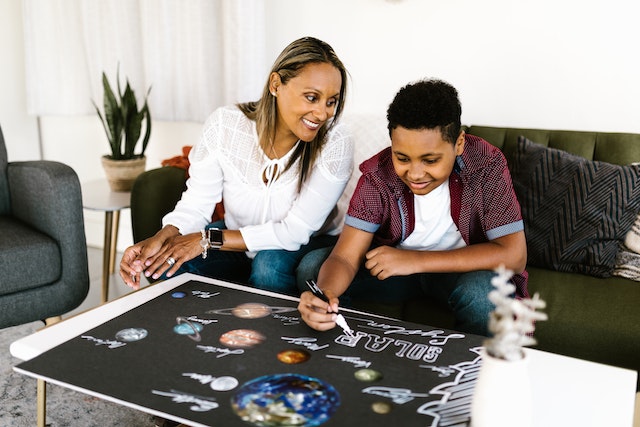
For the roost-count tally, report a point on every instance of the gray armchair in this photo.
(43, 251)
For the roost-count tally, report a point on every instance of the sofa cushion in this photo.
(576, 211)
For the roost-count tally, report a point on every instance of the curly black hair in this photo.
(427, 104)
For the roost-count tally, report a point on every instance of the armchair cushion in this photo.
(32, 251)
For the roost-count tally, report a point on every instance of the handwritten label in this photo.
(376, 344)
(287, 320)
(437, 336)
(397, 395)
(202, 321)
(111, 344)
(309, 343)
(443, 371)
(356, 361)
(199, 404)
(223, 351)
(204, 294)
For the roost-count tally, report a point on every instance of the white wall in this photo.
(566, 64)
(20, 131)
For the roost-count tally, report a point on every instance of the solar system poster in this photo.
(208, 355)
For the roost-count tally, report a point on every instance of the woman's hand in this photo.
(143, 254)
(316, 313)
(174, 252)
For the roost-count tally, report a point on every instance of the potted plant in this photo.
(502, 395)
(122, 122)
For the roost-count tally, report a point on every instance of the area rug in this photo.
(64, 407)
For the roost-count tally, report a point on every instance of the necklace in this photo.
(273, 150)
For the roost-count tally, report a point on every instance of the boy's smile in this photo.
(422, 158)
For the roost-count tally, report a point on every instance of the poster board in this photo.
(254, 362)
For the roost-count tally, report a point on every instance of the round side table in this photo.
(97, 196)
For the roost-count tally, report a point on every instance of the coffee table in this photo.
(566, 391)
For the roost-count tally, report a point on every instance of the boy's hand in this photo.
(316, 313)
(384, 262)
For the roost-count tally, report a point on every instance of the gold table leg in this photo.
(114, 241)
(41, 391)
(111, 224)
(106, 254)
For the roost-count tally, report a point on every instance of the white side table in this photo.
(97, 196)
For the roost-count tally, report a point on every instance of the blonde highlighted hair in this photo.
(264, 112)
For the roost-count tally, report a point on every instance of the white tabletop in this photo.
(566, 391)
(97, 196)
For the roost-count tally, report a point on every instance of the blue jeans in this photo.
(364, 287)
(271, 270)
(465, 294)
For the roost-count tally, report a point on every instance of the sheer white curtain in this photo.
(195, 54)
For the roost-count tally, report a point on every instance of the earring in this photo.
(273, 93)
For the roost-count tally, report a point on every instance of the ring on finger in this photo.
(171, 261)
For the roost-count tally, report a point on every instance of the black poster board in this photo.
(256, 359)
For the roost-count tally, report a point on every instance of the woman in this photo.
(279, 164)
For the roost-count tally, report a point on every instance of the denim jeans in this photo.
(271, 270)
(465, 294)
(364, 287)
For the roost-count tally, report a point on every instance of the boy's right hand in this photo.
(317, 313)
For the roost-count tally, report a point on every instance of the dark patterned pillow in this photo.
(576, 211)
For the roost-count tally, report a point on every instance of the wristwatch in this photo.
(215, 237)
(211, 239)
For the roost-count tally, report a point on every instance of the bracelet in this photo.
(204, 243)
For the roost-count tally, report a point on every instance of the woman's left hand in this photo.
(174, 252)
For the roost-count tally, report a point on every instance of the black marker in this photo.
(340, 321)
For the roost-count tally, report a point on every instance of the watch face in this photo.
(215, 237)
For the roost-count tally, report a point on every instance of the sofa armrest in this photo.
(154, 194)
(46, 196)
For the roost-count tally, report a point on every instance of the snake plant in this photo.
(122, 121)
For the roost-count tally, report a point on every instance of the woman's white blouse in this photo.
(228, 163)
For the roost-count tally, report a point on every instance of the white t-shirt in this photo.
(435, 229)
(228, 163)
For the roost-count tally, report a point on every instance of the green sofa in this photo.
(589, 318)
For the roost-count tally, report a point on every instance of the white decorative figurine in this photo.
(502, 395)
(512, 321)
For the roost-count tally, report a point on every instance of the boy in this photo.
(432, 215)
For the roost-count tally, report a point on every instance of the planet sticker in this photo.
(242, 338)
(131, 334)
(381, 407)
(285, 400)
(292, 357)
(367, 375)
(187, 328)
(251, 310)
(225, 383)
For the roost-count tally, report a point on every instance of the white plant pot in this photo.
(502, 395)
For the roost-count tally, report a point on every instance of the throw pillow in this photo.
(576, 211)
(628, 258)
